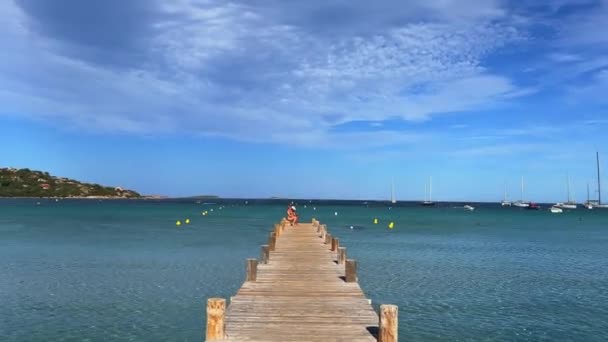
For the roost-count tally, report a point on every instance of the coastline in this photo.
(84, 197)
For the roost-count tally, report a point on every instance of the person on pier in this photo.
(292, 215)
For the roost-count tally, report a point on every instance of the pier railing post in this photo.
(335, 243)
(265, 254)
(341, 255)
(216, 325)
(272, 241)
(252, 269)
(328, 239)
(350, 271)
(389, 323)
(277, 230)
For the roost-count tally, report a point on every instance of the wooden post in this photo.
(389, 323)
(350, 271)
(252, 269)
(328, 239)
(277, 230)
(341, 255)
(272, 241)
(335, 243)
(265, 255)
(216, 326)
(323, 232)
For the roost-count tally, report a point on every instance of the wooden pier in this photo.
(302, 288)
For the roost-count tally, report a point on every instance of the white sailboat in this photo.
(598, 204)
(570, 204)
(393, 199)
(588, 204)
(521, 203)
(429, 202)
(505, 202)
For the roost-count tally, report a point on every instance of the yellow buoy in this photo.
(391, 225)
(375, 221)
(187, 221)
(178, 223)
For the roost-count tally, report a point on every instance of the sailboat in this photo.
(521, 203)
(599, 204)
(429, 202)
(393, 199)
(588, 204)
(504, 202)
(570, 204)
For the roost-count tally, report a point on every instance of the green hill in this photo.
(29, 183)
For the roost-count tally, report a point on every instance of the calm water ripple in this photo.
(122, 271)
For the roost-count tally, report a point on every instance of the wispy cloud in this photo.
(244, 70)
(496, 150)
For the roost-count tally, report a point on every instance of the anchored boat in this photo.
(521, 203)
(599, 203)
(570, 204)
(429, 202)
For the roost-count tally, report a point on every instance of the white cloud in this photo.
(564, 57)
(585, 29)
(240, 71)
(498, 150)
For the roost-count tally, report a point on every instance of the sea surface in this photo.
(89, 270)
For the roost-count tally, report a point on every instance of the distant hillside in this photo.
(29, 183)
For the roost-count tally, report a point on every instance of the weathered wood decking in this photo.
(301, 294)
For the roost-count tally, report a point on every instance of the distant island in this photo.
(29, 183)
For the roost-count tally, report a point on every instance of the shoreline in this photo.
(83, 197)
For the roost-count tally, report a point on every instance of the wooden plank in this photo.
(299, 293)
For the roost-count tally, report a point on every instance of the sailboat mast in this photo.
(425, 190)
(430, 189)
(599, 185)
(568, 179)
(587, 192)
(393, 190)
(522, 189)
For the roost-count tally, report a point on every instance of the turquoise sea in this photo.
(88, 270)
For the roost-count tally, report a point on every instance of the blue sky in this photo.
(327, 99)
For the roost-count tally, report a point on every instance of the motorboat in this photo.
(567, 205)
